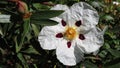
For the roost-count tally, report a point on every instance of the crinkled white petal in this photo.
(66, 14)
(68, 56)
(86, 13)
(79, 11)
(47, 36)
(60, 7)
(92, 42)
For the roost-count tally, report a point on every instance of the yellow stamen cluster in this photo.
(70, 33)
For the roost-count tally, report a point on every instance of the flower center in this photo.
(70, 33)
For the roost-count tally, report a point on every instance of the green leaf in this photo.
(28, 36)
(45, 22)
(1, 32)
(89, 64)
(16, 45)
(18, 65)
(45, 14)
(103, 54)
(5, 29)
(35, 66)
(115, 29)
(106, 46)
(96, 4)
(22, 59)
(35, 29)
(113, 66)
(2, 51)
(118, 8)
(108, 18)
(26, 27)
(3, 3)
(115, 63)
(39, 6)
(115, 53)
(30, 50)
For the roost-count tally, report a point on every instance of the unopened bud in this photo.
(22, 7)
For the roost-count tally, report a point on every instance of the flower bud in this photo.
(22, 7)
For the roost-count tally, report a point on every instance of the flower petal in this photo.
(84, 10)
(47, 36)
(92, 42)
(68, 56)
(86, 13)
(60, 7)
(66, 14)
(79, 11)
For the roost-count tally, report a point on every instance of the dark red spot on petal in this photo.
(78, 23)
(81, 36)
(63, 23)
(59, 35)
(69, 44)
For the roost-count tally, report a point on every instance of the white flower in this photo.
(75, 34)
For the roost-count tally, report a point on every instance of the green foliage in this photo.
(45, 14)
(42, 17)
(19, 47)
(88, 64)
(45, 22)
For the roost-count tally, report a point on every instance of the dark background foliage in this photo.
(19, 47)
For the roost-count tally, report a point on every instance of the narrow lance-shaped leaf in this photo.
(115, 63)
(35, 66)
(108, 17)
(39, 6)
(16, 44)
(35, 29)
(89, 64)
(45, 14)
(1, 32)
(45, 22)
(30, 50)
(3, 3)
(18, 65)
(22, 59)
(26, 27)
(115, 53)
(42, 17)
